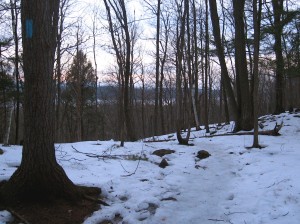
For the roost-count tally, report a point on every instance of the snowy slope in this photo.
(234, 185)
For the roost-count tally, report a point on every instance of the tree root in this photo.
(18, 216)
(95, 200)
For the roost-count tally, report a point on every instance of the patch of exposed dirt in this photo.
(57, 211)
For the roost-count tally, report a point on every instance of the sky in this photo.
(104, 59)
(234, 185)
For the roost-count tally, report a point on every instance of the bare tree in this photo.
(121, 39)
(256, 24)
(243, 90)
(63, 10)
(157, 59)
(278, 28)
(15, 8)
(195, 84)
(220, 52)
(183, 8)
(206, 122)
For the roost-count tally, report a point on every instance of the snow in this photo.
(234, 185)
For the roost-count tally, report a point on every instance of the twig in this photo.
(96, 200)
(67, 160)
(135, 168)
(18, 216)
(231, 213)
(163, 140)
(101, 156)
(284, 180)
(123, 167)
(286, 214)
(217, 220)
(271, 185)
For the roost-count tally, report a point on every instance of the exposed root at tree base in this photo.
(58, 211)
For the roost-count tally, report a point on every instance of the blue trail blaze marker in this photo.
(29, 28)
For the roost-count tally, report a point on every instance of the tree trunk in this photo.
(243, 93)
(180, 71)
(157, 58)
(58, 125)
(39, 175)
(166, 23)
(191, 77)
(8, 125)
(14, 15)
(127, 74)
(224, 71)
(123, 59)
(278, 28)
(196, 70)
(206, 69)
(78, 91)
(256, 22)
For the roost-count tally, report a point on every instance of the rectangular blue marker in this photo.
(29, 28)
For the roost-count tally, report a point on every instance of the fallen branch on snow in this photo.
(274, 132)
(93, 155)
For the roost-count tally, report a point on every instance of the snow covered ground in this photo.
(234, 185)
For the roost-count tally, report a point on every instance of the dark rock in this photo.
(162, 152)
(202, 154)
(1, 151)
(163, 163)
(143, 180)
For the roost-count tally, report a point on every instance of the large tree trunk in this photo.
(39, 175)
(127, 107)
(243, 93)
(180, 71)
(278, 10)
(220, 53)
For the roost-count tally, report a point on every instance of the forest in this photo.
(171, 66)
(107, 97)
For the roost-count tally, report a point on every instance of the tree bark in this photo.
(39, 175)
(224, 72)
(8, 122)
(256, 23)
(196, 69)
(157, 58)
(278, 28)
(206, 123)
(243, 92)
(14, 15)
(179, 73)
